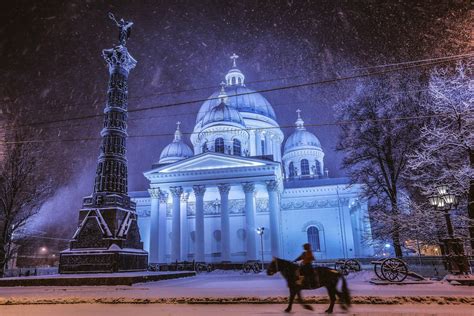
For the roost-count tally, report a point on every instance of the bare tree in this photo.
(23, 189)
(378, 134)
(446, 153)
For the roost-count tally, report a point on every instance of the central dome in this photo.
(240, 98)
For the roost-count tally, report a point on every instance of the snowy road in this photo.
(227, 284)
(228, 310)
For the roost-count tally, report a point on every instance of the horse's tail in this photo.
(345, 294)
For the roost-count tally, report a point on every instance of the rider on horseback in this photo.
(307, 271)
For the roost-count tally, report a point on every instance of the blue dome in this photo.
(240, 98)
(301, 138)
(221, 114)
(177, 150)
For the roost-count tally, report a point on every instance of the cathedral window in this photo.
(204, 147)
(313, 238)
(291, 170)
(237, 147)
(318, 168)
(304, 167)
(219, 145)
(262, 143)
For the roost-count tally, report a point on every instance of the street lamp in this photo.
(260, 232)
(453, 248)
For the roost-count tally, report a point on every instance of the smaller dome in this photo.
(177, 150)
(223, 113)
(301, 138)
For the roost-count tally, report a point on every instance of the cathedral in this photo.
(242, 192)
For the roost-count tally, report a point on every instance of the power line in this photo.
(337, 123)
(308, 84)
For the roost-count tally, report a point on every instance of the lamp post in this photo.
(453, 248)
(260, 232)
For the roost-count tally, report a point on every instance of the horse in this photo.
(327, 277)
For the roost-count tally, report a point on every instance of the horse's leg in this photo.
(332, 298)
(300, 299)
(290, 301)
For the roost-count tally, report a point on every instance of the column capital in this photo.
(176, 191)
(224, 188)
(248, 187)
(199, 190)
(163, 197)
(154, 193)
(272, 185)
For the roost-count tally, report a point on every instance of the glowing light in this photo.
(387, 245)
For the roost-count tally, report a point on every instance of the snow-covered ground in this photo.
(228, 310)
(230, 286)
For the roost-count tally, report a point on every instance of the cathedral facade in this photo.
(241, 187)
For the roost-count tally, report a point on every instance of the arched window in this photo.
(237, 150)
(291, 170)
(318, 168)
(219, 145)
(313, 238)
(304, 167)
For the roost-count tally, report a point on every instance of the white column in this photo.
(199, 191)
(276, 149)
(162, 230)
(258, 141)
(224, 189)
(176, 225)
(252, 147)
(274, 206)
(249, 189)
(268, 144)
(184, 226)
(154, 225)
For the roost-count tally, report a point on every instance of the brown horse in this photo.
(327, 278)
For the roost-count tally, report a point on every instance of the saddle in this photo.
(307, 282)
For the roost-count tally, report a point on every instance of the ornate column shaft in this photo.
(249, 189)
(111, 175)
(274, 206)
(199, 191)
(224, 189)
(176, 224)
(162, 227)
(154, 224)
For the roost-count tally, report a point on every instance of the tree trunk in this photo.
(470, 205)
(396, 241)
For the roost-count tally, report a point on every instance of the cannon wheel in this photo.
(378, 271)
(394, 270)
(246, 268)
(352, 265)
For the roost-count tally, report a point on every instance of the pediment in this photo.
(210, 161)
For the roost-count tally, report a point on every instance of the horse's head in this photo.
(273, 267)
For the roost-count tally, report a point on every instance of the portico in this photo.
(222, 193)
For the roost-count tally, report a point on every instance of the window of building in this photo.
(304, 167)
(219, 145)
(262, 143)
(237, 147)
(204, 147)
(313, 238)
(318, 168)
(291, 170)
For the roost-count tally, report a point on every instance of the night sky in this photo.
(51, 67)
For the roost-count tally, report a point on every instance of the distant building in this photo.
(207, 202)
